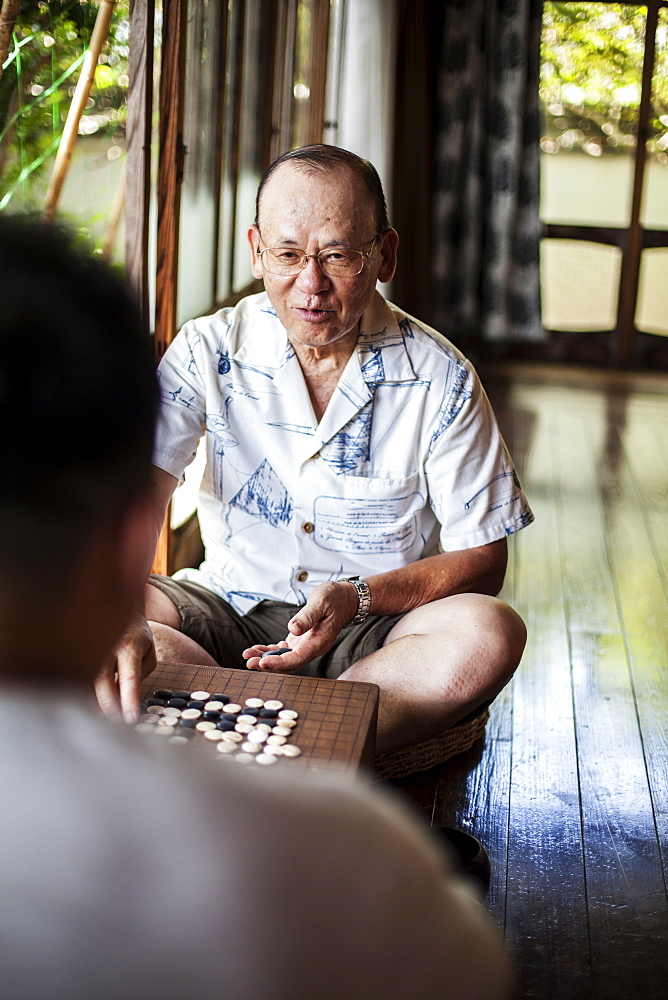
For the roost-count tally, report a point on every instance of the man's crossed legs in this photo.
(434, 665)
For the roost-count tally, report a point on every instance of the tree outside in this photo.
(42, 49)
(592, 56)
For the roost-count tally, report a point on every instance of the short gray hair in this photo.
(320, 158)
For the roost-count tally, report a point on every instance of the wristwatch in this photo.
(363, 598)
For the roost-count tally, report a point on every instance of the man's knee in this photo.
(172, 646)
(486, 630)
(160, 608)
(505, 634)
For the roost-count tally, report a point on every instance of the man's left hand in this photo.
(311, 632)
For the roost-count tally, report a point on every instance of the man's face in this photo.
(310, 212)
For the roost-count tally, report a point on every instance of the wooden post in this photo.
(170, 170)
(81, 94)
(170, 174)
(628, 291)
(115, 216)
(138, 154)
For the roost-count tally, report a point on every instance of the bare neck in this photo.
(322, 370)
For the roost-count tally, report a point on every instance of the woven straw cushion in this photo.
(398, 763)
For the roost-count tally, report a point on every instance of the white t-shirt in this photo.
(407, 456)
(131, 869)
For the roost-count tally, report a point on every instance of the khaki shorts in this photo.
(224, 633)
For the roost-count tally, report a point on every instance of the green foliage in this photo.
(37, 84)
(592, 57)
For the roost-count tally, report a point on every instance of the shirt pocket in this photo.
(370, 516)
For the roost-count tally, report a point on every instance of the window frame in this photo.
(179, 546)
(627, 344)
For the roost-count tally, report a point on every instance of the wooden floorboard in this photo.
(569, 791)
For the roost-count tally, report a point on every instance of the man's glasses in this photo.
(335, 262)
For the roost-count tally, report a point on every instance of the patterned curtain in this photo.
(486, 232)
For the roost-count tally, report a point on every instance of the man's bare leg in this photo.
(171, 645)
(439, 663)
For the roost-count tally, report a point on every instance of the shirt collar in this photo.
(381, 350)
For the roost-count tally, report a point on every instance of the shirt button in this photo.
(302, 575)
(308, 527)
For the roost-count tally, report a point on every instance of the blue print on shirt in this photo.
(175, 396)
(366, 525)
(294, 428)
(218, 426)
(191, 365)
(459, 394)
(224, 364)
(264, 496)
(350, 448)
(406, 328)
(373, 368)
(524, 518)
(501, 491)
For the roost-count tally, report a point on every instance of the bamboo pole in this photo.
(115, 216)
(81, 94)
(9, 12)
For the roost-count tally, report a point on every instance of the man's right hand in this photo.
(117, 684)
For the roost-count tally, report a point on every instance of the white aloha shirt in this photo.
(406, 461)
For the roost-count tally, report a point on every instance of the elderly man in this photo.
(357, 493)
(131, 868)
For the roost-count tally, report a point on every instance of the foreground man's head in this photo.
(77, 403)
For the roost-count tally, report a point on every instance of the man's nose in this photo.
(312, 277)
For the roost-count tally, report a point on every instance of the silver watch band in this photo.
(363, 598)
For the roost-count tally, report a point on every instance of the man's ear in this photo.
(253, 235)
(388, 255)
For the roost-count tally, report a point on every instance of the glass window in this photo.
(254, 129)
(652, 307)
(246, 133)
(591, 73)
(579, 285)
(199, 191)
(41, 72)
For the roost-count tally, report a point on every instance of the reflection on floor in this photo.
(570, 790)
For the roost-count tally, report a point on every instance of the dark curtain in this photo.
(485, 230)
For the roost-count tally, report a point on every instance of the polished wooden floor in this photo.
(570, 790)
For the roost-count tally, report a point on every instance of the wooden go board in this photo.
(336, 728)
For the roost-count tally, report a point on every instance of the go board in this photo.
(336, 720)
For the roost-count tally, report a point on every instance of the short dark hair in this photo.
(320, 158)
(78, 397)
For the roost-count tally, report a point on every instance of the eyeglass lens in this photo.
(284, 260)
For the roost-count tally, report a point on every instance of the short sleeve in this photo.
(474, 489)
(181, 383)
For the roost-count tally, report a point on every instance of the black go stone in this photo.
(177, 702)
(251, 711)
(196, 704)
(228, 717)
(182, 694)
(165, 693)
(268, 713)
(220, 696)
(188, 723)
(211, 715)
(225, 725)
(155, 701)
